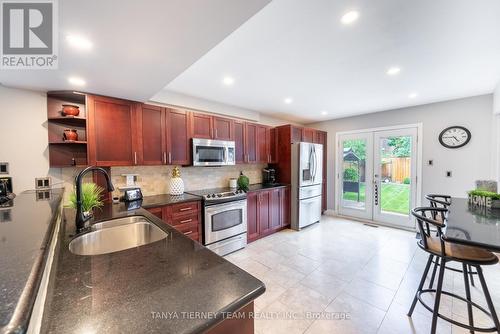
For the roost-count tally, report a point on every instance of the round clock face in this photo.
(454, 137)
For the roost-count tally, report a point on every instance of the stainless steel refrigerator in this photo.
(307, 178)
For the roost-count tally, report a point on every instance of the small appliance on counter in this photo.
(268, 176)
(6, 194)
(131, 195)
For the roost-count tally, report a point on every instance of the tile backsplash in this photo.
(154, 180)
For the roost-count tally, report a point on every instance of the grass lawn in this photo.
(394, 197)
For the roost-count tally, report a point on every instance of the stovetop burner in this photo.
(219, 194)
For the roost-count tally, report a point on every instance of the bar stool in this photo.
(444, 201)
(448, 252)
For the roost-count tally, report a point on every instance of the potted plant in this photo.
(91, 198)
(484, 198)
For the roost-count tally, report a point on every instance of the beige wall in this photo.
(472, 162)
(23, 137)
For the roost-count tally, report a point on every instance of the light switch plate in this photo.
(4, 168)
(448, 173)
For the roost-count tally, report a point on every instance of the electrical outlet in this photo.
(430, 162)
(43, 195)
(42, 183)
(448, 173)
(4, 168)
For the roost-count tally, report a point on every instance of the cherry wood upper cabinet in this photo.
(150, 134)
(262, 144)
(223, 128)
(177, 137)
(251, 143)
(112, 132)
(252, 216)
(308, 135)
(239, 141)
(296, 134)
(201, 126)
(273, 145)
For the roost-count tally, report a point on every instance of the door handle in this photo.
(376, 192)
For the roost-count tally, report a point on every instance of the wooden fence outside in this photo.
(396, 169)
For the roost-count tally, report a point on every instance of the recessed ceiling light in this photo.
(350, 17)
(393, 70)
(76, 81)
(228, 81)
(413, 95)
(324, 112)
(288, 100)
(79, 42)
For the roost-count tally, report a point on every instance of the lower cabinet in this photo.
(268, 211)
(184, 217)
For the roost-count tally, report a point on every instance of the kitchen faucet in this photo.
(80, 217)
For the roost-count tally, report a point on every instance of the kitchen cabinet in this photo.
(321, 139)
(150, 138)
(251, 143)
(272, 140)
(177, 137)
(201, 126)
(308, 135)
(239, 141)
(184, 217)
(223, 128)
(112, 131)
(262, 144)
(268, 211)
(296, 134)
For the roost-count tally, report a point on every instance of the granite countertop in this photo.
(260, 186)
(165, 199)
(25, 230)
(147, 289)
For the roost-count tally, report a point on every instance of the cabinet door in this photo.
(285, 206)
(252, 216)
(150, 135)
(273, 145)
(275, 209)
(296, 134)
(308, 135)
(239, 141)
(264, 215)
(223, 128)
(177, 137)
(158, 212)
(201, 126)
(251, 143)
(262, 146)
(111, 132)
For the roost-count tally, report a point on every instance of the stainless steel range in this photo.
(225, 219)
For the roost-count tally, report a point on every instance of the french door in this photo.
(378, 175)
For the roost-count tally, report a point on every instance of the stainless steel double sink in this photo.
(116, 235)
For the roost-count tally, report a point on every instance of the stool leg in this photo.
(471, 276)
(488, 298)
(421, 285)
(436, 264)
(467, 294)
(438, 296)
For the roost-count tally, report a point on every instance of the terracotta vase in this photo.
(70, 110)
(70, 135)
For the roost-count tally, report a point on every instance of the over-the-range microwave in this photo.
(208, 152)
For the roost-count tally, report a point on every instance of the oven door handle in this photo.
(227, 208)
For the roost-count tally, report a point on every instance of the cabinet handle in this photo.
(186, 221)
(164, 158)
(135, 158)
(169, 157)
(185, 209)
(216, 133)
(188, 232)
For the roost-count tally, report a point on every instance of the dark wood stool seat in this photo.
(443, 252)
(461, 253)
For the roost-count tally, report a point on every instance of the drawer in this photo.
(180, 220)
(187, 228)
(158, 212)
(194, 236)
(184, 208)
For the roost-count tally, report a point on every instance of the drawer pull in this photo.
(186, 221)
(185, 209)
(188, 232)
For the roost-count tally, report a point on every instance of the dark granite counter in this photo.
(148, 289)
(165, 199)
(260, 186)
(25, 233)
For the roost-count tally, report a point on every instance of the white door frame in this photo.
(338, 188)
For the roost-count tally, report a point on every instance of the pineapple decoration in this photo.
(176, 183)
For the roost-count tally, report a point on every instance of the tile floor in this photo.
(341, 276)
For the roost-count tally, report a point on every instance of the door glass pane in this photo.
(395, 174)
(353, 172)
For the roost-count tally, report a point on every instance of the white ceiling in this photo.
(294, 48)
(138, 46)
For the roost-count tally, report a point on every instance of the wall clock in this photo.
(454, 137)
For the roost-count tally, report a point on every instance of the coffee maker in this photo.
(268, 176)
